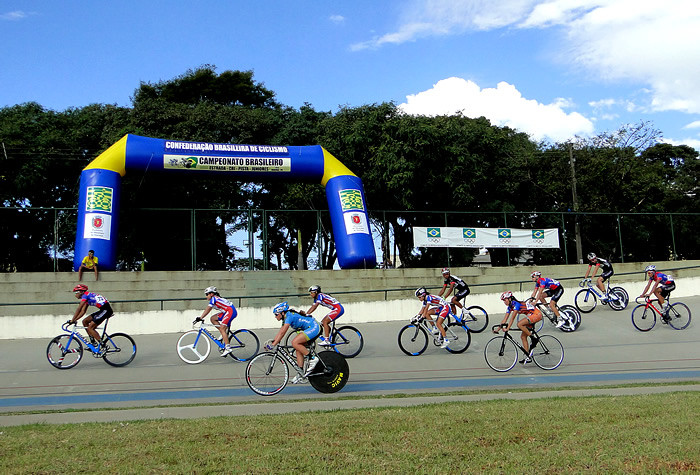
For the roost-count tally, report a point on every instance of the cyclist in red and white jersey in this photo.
(327, 301)
(222, 320)
(434, 305)
(663, 285)
(92, 321)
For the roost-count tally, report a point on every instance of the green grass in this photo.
(637, 434)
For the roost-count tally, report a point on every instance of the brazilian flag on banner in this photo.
(433, 232)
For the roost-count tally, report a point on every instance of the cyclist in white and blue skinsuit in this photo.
(308, 329)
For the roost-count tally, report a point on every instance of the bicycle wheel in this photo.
(245, 344)
(64, 352)
(620, 299)
(121, 349)
(290, 337)
(549, 352)
(267, 374)
(347, 341)
(538, 325)
(413, 340)
(459, 336)
(193, 347)
(573, 316)
(501, 354)
(475, 318)
(679, 316)
(643, 318)
(335, 373)
(585, 301)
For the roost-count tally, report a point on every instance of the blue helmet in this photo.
(280, 307)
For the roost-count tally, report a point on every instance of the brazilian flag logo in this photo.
(433, 232)
(469, 233)
(504, 233)
(538, 234)
(351, 199)
(99, 198)
(191, 162)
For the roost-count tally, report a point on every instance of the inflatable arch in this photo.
(100, 183)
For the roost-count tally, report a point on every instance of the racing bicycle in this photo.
(346, 340)
(268, 373)
(194, 346)
(66, 350)
(501, 352)
(677, 315)
(586, 299)
(413, 338)
(475, 317)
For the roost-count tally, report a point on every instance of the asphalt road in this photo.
(606, 350)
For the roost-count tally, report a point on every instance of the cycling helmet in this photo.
(536, 274)
(445, 270)
(591, 256)
(315, 288)
(211, 290)
(506, 295)
(421, 291)
(650, 268)
(80, 288)
(280, 307)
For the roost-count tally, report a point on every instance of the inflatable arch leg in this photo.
(100, 186)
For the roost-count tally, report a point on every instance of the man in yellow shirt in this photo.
(89, 263)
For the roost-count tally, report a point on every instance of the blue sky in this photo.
(553, 69)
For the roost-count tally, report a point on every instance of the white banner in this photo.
(485, 237)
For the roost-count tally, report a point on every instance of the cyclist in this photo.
(453, 284)
(308, 329)
(92, 321)
(221, 320)
(663, 285)
(608, 272)
(434, 305)
(546, 287)
(525, 325)
(329, 302)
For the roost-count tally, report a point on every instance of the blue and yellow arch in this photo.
(100, 188)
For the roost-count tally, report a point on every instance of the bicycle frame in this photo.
(95, 350)
(649, 303)
(285, 353)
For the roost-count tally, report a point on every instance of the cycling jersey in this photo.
(439, 303)
(459, 283)
(329, 302)
(94, 299)
(527, 308)
(663, 279)
(605, 266)
(547, 283)
(104, 308)
(227, 310)
(304, 323)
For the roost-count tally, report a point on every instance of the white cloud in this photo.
(503, 106)
(644, 42)
(13, 16)
(337, 18)
(693, 125)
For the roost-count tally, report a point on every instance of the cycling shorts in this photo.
(461, 294)
(666, 289)
(102, 314)
(607, 275)
(227, 316)
(337, 311)
(555, 293)
(534, 316)
(312, 332)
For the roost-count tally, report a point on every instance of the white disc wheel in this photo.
(193, 347)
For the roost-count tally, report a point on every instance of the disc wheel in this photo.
(679, 316)
(643, 318)
(64, 352)
(193, 347)
(460, 338)
(573, 317)
(267, 374)
(413, 340)
(620, 300)
(335, 373)
(501, 354)
(585, 300)
(549, 353)
(121, 349)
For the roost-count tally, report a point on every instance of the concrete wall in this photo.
(167, 302)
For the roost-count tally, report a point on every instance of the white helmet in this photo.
(650, 268)
(210, 290)
(315, 288)
(421, 291)
(591, 256)
(536, 274)
(507, 295)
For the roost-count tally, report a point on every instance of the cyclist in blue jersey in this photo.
(546, 287)
(308, 329)
(607, 269)
(453, 284)
(327, 301)
(663, 285)
(525, 325)
(222, 320)
(92, 321)
(434, 305)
